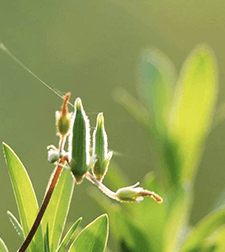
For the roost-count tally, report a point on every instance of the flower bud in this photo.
(100, 149)
(133, 193)
(63, 118)
(79, 142)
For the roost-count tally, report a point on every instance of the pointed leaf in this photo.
(46, 240)
(25, 196)
(152, 222)
(57, 210)
(157, 77)
(3, 247)
(69, 236)
(178, 204)
(219, 240)
(130, 230)
(16, 224)
(93, 238)
(204, 229)
(192, 109)
(133, 106)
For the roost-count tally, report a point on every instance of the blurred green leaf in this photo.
(133, 106)
(178, 203)
(219, 240)
(25, 197)
(57, 210)
(16, 224)
(93, 238)
(219, 202)
(124, 248)
(157, 77)
(130, 231)
(204, 229)
(115, 177)
(150, 215)
(3, 247)
(69, 236)
(191, 113)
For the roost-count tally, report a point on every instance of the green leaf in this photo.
(124, 247)
(152, 221)
(46, 240)
(3, 247)
(157, 77)
(178, 202)
(25, 197)
(204, 229)
(133, 106)
(69, 236)
(93, 238)
(115, 177)
(219, 202)
(16, 224)
(130, 230)
(219, 240)
(57, 210)
(192, 110)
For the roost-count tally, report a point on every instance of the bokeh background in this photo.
(90, 48)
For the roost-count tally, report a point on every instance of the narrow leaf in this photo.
(93, 238)
(16, 224)
(3, 247)
(178, 204)
(133, 106)
(57, 210)
(69, 236)
(46, 240)
(130, 230)
(191, 113)
(204, 229)
(152, 222)
(157, 77)
(25, 196)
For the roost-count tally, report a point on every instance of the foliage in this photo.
(177, 112)
(49, 234)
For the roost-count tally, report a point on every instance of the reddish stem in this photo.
(43, 206)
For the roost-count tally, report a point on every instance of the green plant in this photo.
(49, 234)
(177, 113)
(79, 160)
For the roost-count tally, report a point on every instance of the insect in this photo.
(74, 128)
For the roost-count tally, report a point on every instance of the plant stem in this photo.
(43, 206)
(102, 187)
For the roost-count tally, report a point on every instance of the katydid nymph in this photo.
(84, 158)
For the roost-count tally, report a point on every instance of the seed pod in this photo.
(134, 193)
(63, 118)
(79, 142)
(100, 149)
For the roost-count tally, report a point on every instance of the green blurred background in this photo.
(89, 48)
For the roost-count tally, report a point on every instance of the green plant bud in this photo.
(63, 118)
(100, 149)
(134, 193)
(79, 142)
(63, 123)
